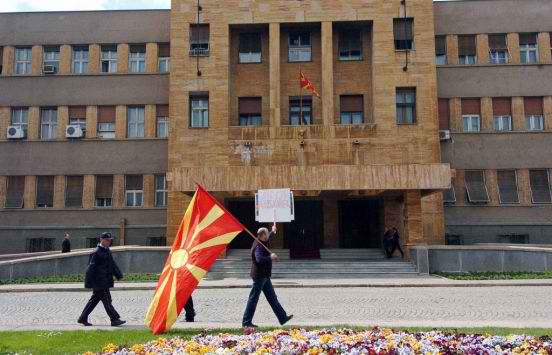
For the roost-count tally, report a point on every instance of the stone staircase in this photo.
(334, 263)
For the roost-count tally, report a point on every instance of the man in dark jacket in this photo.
(261, 271)
(396, 243)
(99, 277)
(66, 244)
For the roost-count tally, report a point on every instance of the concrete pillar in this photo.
(62, 120)
(122, 58)
(4, 121)
(91, 121)
(524, 187)
(433, 219)
(36, 63)
(547, 106)
(29, 195)
(482, 42)
(33, 127)
(149, 191)
(152, 50)
(452, 49)
(118, 191)
(460, 188)
(486, 114)
(455, 105)
(492, 187)
(150, 121)
(8, 60)
(512, 40)
(413, 230)
(518, 114)
(65, 59)
(59, 191)
(94, 55)
(274, 62)
(545, 55)
(88, 190)
(331, 227)
(327, 74)
(121, 122)
(3, 190)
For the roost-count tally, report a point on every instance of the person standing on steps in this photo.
(396, 243)
(99, 277)
(261, 271)
(66, 244)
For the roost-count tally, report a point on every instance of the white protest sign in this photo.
(274, 205)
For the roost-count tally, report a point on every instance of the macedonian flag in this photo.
(306, 84)
(205, 231)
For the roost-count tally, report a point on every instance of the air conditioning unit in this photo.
(49, 69)
(74, 131)
(444, 134)
(15, 132)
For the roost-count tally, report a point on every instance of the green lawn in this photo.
(73, 342)
(76, 279)
(499, 276)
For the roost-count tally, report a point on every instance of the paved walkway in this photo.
(500, 306)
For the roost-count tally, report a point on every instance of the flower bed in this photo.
(342, 341)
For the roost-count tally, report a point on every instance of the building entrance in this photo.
(360, 224)
(304, 235)
(244, 211)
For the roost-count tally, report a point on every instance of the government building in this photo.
(433, 118)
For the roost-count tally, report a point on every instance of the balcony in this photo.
(300, 54)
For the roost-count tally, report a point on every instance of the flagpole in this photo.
(300, 96)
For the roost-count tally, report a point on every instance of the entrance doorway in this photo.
(359, 224)
(244, 211)
(304, 235)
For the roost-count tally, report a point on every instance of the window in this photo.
(48, 123)
(73, 191)
(15, 191)
(157, 241)
(23, 60)
(406, 106)
(350, 45)
(20, 118)
(250, 109)
(137, 59)
(80, 59)
(250, 48)
(45, 191)
(528, 48)
(502, 114)
(104, 191)
(440, 50)
(300, 49)
(449, 196)
(514, 238)
(471, 118)
(540, 186)
(352, 109)
(50, 63)
(162, 114)
(454, 239)
(199, 112)
(135, 122)
(160, 191)
(476, 187)
(507, 186)
(199, 40)
(36, 245)
(498, 49)
(403, 33)
(444, 114)
(109, 59)
(467, 50)
(300, 110)
(92, 242)
(77, 116)
(134, 190)
(534, 114)
(164, 58)
(106, 122)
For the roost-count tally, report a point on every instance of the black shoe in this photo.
(287, 319)
(190, 320)
(250, 325)
(117, 323)
(84, 322)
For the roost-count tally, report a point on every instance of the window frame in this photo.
(441, 59)
(471, 117)
(549, 187)
(55, 50)
(25, 62)
(164, 192)
(453, 201)
(408, 43)
(530, 123)
(252, 119)
(198, 47)
(349, 44)
(405, 106)
(80, 60)
(500, 199)
(251, 55)
(51, 124)
(525, 51)
(499, 56)
(484, 184)
(22, 115)
(159, 122)
(351, 114)
(498, 123)
(103, 199)
(137, 60)
(111, 57)
(50, 205)
(137, 195)
(136, 122)
(167, 64)
(20, 194)
(293, 100)
(202, 110)
(67, 190)
(299, 49)
(43, 242)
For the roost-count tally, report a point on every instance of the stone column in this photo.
(512, 41)
(8, 61)
(460, 188)
(91, 121)
(33, 127)
(482, 42)
(88, 191)
(121, 122)
(413, 228)
(524, 187)
(486, 114)
(3, 190)
(327, 74)
(455, 105)
(59, 191)
(149, 191)
(29, 195)
(4, 121)
(452, 49)
(152, 50)
(62, 121)
(547, 106)
(65, 59)
(545, 55)
(36, 62)
(492, 187)
(118, 191)
(150, 121)
(274, 62)
(122, 58)
(518, 113)
(94, 57)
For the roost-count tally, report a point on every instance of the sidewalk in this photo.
(230, 283)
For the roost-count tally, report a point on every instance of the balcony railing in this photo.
(300, 54)
(199, 52)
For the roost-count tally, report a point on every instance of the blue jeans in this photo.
(264, 285)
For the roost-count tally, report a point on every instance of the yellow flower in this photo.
(326, 338)
(110, 348)
(138, 348)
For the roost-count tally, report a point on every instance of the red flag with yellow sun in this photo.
(206, 229)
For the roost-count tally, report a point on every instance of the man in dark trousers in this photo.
(99, 277)
(66, 244)
(261, 271)
(396, 242)
(189, 309)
